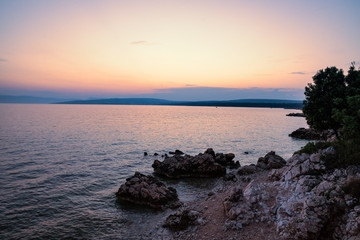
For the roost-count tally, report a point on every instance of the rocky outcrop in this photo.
(176, 152)
(182, 219)
(306, 133)
(304, 199)
(296, 115)
(207, 164)
(311, 134)
(271, 161)
(224, 159)
(146, 190)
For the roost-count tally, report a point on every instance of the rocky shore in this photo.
(299, 199)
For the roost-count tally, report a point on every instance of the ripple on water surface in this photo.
(62, 164)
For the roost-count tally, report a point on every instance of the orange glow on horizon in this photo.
(139, 46)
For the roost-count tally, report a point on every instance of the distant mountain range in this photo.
(29, 99)
(267, 103)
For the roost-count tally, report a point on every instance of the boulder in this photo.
(146, 190)
(271, 161)
(223, 159)
(305, 164)
(244, 208)
(176, 152)
(230, 177)
(302, 218)
(201, 165)
(248, 169)
(182, 219)
(306, 133)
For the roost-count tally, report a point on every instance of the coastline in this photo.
(301, 200)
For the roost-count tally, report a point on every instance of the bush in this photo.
(352, 187)
(311, 147)
(348, 151)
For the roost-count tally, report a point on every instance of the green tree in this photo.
(333, 102)
(328, 92)
(347, 111)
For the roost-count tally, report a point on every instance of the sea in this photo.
(61, 165)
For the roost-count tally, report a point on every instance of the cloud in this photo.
(298, 73)
(3, 60)
(142, 43)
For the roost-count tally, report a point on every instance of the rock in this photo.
(296, 115)
(271, 161)
(236, 194)
(232, 225)
(145, 153)
(177, 152)
(230, 177)
(302, 218)
(304, 164)
(156, 154)
(182, 219)
(211, 194)
(247, 207)
(177, 166)
(211, 152)
(146, 190)
(248, 169)
(306, 133)
(224, 159)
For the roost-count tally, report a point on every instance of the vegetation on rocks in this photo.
(333, 102)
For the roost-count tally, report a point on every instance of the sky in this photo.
(178, 50)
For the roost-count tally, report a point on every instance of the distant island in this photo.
(261, 103)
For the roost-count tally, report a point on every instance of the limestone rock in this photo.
(306, 133)
(248, 169)
(182, 219)
(146, 190)
(271, 161)
(201, 165)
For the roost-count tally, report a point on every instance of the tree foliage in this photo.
(333, 101)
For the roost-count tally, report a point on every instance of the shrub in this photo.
(311, 147)
(352, 187)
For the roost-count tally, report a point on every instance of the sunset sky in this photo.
(114, 48)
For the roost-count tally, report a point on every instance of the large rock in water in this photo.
(306, 133)
(146, 190)
(201, 165)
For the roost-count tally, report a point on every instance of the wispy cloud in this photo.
(142, 43)
(298, 73)
(3, 60)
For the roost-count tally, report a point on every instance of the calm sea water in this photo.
(60, 165)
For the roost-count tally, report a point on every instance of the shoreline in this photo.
(301, 200)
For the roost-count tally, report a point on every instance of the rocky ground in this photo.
(301, 200)
(298, 199)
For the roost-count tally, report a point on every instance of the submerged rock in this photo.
(146, 190)
(201, 165)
